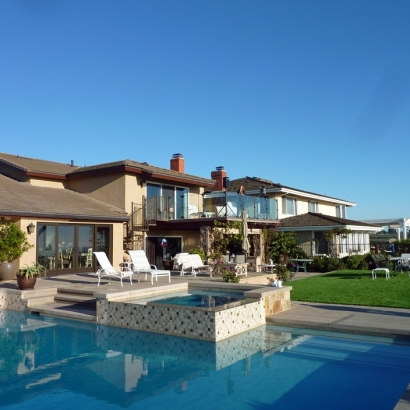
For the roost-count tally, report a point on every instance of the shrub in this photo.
(326, 264)
(198, 251)
(285, 244)
(13, 242)
(356, 262)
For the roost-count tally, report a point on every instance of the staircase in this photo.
(66, 302)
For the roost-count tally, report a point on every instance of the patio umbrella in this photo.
(245, 241)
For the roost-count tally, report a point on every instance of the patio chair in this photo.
(380, 262)
(108, 270)
(140, 264)
(193, 264)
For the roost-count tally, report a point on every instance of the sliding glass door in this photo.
(68, 248)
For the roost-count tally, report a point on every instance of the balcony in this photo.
(219, 204)
(214, 205)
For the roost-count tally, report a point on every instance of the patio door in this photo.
(68, 248)
(162, 248)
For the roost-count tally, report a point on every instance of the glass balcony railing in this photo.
(256, 207)
(215, 205)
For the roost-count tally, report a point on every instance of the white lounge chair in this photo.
(140, 264)
(108, 270)
(193, 264)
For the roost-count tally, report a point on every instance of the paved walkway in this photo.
(353, 319)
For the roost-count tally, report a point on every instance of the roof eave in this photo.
(64, 216)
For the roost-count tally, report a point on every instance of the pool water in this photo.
(193, 298)
(202, 299)
(55, 363)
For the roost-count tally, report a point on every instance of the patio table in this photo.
(301, 263)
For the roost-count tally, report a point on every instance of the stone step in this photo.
(40, 300)
(35, 293)
(69, 297)
(80, 290)
(63, 312)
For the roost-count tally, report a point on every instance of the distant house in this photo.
(310, 228)
(309, 215)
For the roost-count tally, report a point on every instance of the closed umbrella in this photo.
(245, 241)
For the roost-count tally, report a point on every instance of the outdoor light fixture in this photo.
(30, 228)
(143, 183)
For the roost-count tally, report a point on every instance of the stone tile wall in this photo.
(11, 300)
(203, 324)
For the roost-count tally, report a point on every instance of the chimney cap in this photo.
(72, 163)
(177, 156)
(220, 168)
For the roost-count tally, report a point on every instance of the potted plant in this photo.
(27, 276)
(13, 243)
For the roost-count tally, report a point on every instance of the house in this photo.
(310, 215)
(63, 226)
(164, 211)
(351, 237)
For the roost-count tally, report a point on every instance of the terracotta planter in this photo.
(24, 283)
(7, 271)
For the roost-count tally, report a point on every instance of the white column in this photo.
(403, 226)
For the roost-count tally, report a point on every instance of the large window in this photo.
(289, 206)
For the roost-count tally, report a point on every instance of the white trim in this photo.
(287, 191)
(329, 228)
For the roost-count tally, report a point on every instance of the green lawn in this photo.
(350, 287)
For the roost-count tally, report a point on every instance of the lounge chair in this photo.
(193, 264)
(140, 264)
(108, 270)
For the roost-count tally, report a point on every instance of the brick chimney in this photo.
(218, 176)
(177, 163)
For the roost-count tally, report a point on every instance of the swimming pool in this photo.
(50, 362)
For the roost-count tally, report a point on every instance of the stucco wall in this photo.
(108, 188)
(47, 183)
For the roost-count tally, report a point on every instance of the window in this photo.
(313, 207)
(341, 211)
(167, 202)
(289, 206)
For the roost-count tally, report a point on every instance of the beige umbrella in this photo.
(245, 241)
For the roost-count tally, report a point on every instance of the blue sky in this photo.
(311, 94)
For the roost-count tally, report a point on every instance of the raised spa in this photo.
(213, 312)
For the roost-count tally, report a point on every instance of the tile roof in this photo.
(55, 168)
(36, 165)
(317, 219)
(142, 166)
(24, 199)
